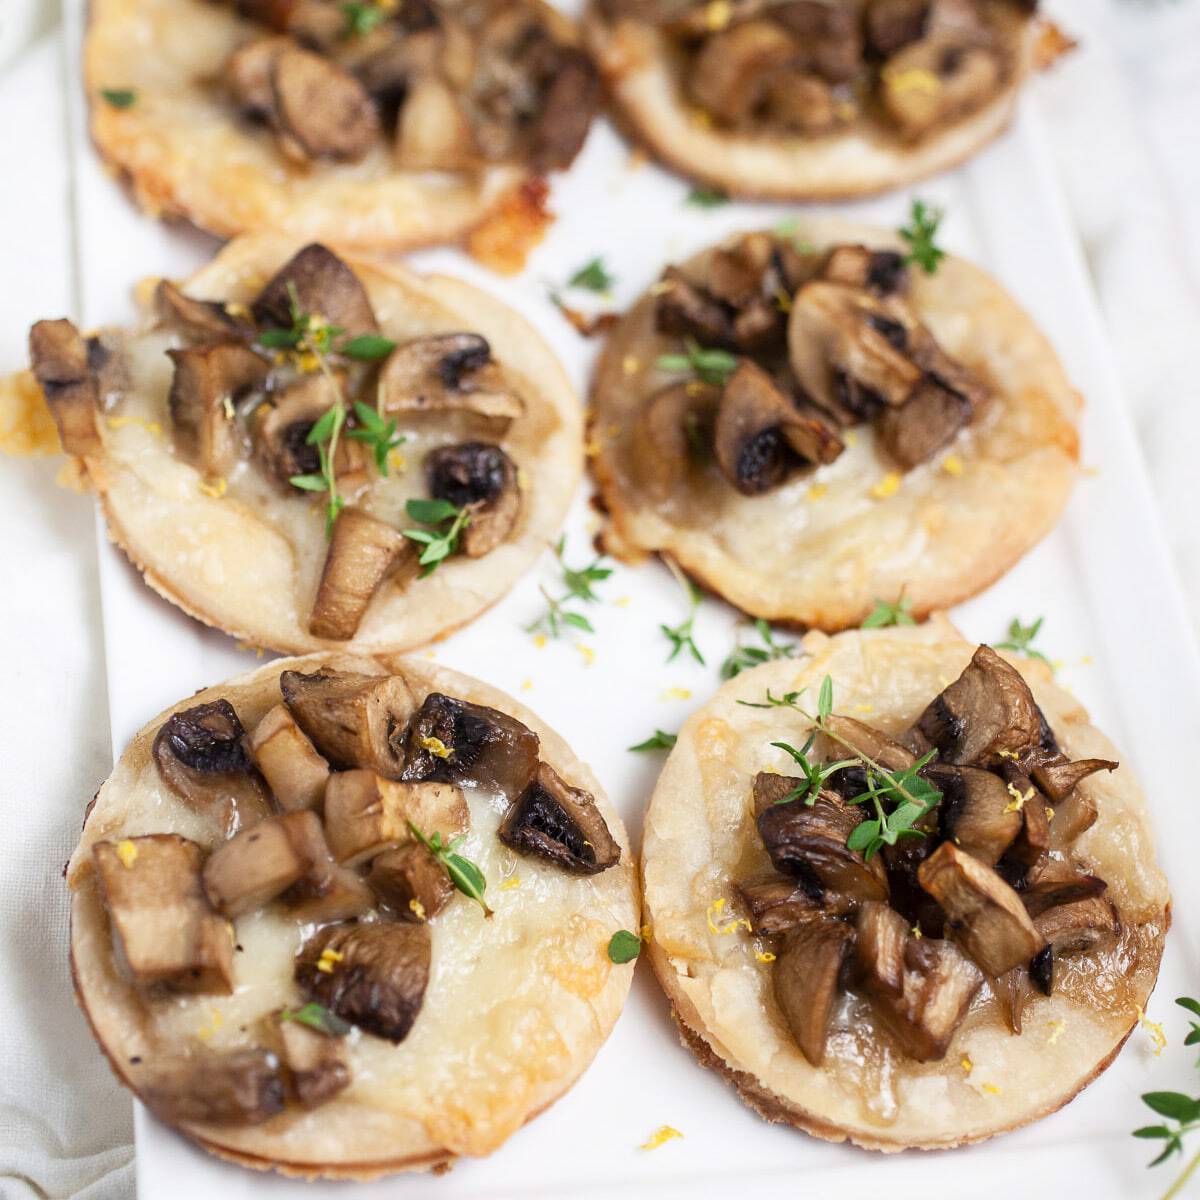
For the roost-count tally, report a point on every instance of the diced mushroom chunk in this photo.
(1059, 777)
(1072, 817)
(201, 757)
(924, 424)
(685, 309)
(373, 975)
(872, 743)
(984, 715)
(323, 285)
(808, 842)
(454, 741)
(478, 476)
(365, 815)
(316, 1063)
(673, 429)
(1081, 927)
(59, 357)
(882, 271)
(433, 132)
(231, 1087)
(976, 812)
(294, 771)
(168, 934)
(363, 553)
(776, 903)
(728, 77)
(321, 111)
(208, 381)
(560, 823)
(921, 987)
(199, 318)
(935, 80)
(248, 74)
(411, 882)
(893, 24)
(805, 979)
(1058, 883)
(983, 914)
(353, 720)
(328, 892)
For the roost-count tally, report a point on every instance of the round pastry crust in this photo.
(539, 991)
(641, 70)
(700, 839)
(231, 565)
(821, 550)
(186, 154)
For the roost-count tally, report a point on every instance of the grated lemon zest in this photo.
(258, 650)
(238, 311)
(851, 438)
(1056, 1031)
(418, 908)
(622, 601)
(915, 79)
(818, 491)
(509, 884)
(398, 462)
(127, 852)
(889, 485)
(215, 1020)
(645, 932)
(1154, 1030)
(916, 931)
(714, 910)
(1007, 753)
(215, 488)
(1049, 813)
(764, 956)
(435, 746)
(677, 693)
(864, 708)
(540, 641)
(329, 959)
(591, 447)
(717, 14)
(953, 465)
(631, 364)
(966, 1064)
(151, 427)
(1086, 661)
(990, 1088)
(1018, 800)
(662, 1135)
(523, 479)
(586, 653)
(527, 685)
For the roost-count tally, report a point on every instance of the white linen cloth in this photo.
(1124, 116)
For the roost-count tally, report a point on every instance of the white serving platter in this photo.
(1113, 617)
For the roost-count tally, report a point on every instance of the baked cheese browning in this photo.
(355, 861)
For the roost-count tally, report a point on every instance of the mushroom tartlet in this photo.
(375, 125)
(813, 99)
(345, 916)
(919, 926)
(839, 427)
(304, 450)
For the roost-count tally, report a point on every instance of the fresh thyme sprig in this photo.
(448, 522)
(920, 235)
(682, 636)
(317, 1016)
(361, 18)
(710, 366)
(624, 946)
(706, 197)
(815, 774)
(659, 740)
(377, 433)
(884, 614)
(324, 435)
(119, 98)
(1193, 1036)
(742, 658)
(578, 582)
(1182, 1113)
(1020, 639)
(464, 874)
(593, 276)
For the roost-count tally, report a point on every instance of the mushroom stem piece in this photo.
(60, 365)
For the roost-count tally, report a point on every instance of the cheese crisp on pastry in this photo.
(305, 451)
(813, 99)
(901, 892)
(807, 424)
(345, 916)
(373, 125)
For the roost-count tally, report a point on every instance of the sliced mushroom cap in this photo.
(353, 720)
(365, 815)
(411, 882)
(761, 436)
(433, 132)
(728, 75)
(275, 14)
(923, 425)
(987, 713)
(248, 73)
(564, 116)
(983, 914)
(321, 110)
(802, 100)
(1082, 927)
(168, 934)
(1059, 777)
(685, 309)
(893, 24)
(1058, 883)
(316, 1063)
(213, 1087)
(776, 903)
(1072, 816)
(873, 743)
(454, 741)
(451, 373)
(806, 977)
(881, 271)
(363, 552)
(323, 286)
(208, 381)
(808, 842)
(201, 757)
(373, 976)
(935, 80)
(329, 892)
(673, 428)
(481, 477)
(560, 823)
(294, 771)
(199, 318)
(976, 812)
(830, 33)
(59, 357)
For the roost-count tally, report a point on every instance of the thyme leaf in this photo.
(706, 197)
(709, 365)
(119, 98)
(441, 541)
(681, 636)
(464, 874)
(377, 433)
(659, 740)
(317, 1016)
(593, 276)
(884, 614)
(742, 658)
(1020, 639)
(578, 582)
(624, 946)
(920, 234)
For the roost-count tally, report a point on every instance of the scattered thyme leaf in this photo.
(361, 18)
(464, 874)
(317, 1016)
(681, 636)
(368, 347)
(1020, 639)
(884, 614)
(441, 541)
(578, 582)
(708, 365)
(920, 235)
(592, 277)
(119, 98)
(706, 197)
(659, 740)
(377, 433)
(624, 946)
(742, 658)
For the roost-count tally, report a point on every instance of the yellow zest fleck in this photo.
(523, 479)
(540, 641)
(864, 708)
(1049, 812)
(418, 908)
(431, 654)
(215, 1020)
(227, 408)
(592, 447)
(238, 311)
(151, 427)
(677, 693)
(661, 288)
(613, 432)
(258, 650)
(329, 959)
(398, 462)
(1086, 661)
(509, 884)
(695, 388)
(215, 488)
(846, 110)
(586, 653)
(851, 438)
(916, 931)
(1056, 1031)
(952, 465)
(262, 410)
(818, 491)
(915, 79)
(1090, 472)
(764, 956)
(1007, 753)
(127, 852)
(717, 14)
(783, 301)
(662, 1135)
(631, 364)
(699, 118)
(1158, 1039)
(889, 485)
(435, 746)
(1057, 664)
(1018, 800)
(714, 910)
(622, 601)
(645, 932)
(990, 1088)
(967, 1065)
(527, 685)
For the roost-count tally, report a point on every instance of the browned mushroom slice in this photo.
(363, 553)
(1072, 817)
(59, 357)
(986, 714)
(262, 862)
(935, 80)
(873, 743)
(449, 373)
(983, 914)
(248, 73)
(808, 842)
(977, 812)
(478, 476)
(365, 815)
(776, 903)
(294, 771)
(921, 986)
(201, 757)
(1058, 883)
(805, 980)
(893, 24)
(411, 882)
(882, 271)
(560, 823)
(323, 285)
(923, 425)
(198, 318)
(685, 309)
(728, 77)
(673, 429)
(433, 132)
(213, 1087)
(803, 101)
(328, 892)
(1082, 927)
(353, 720)
(316, 1062)
(831, 35)
(321, 110)
(169, 935)
(373, 976)
(761, 436)
(564, 115)
(1059, 777)
(454, 741)
(208, 381)
(275, 14)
